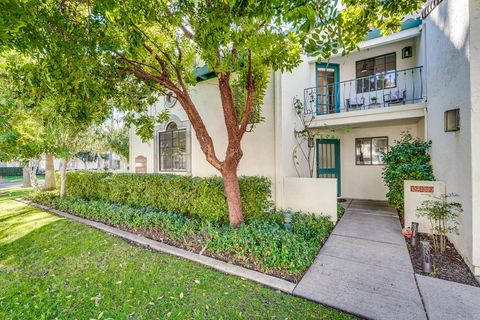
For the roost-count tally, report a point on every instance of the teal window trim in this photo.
(336, 67)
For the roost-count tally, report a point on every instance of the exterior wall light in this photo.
(426, 257)
(407, 52)
(288, 220)
(452, 120)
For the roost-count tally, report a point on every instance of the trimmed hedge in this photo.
(202, 198)
(262, 244)
(11, 171)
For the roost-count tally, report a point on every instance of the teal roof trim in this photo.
(408, 24)
(204, 73)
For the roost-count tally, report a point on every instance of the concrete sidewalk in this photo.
(364, 268)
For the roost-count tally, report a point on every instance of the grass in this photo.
(56, 268)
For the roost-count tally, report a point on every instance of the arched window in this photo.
(172, 148)
(172, 126)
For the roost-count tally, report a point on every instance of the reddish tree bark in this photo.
(232, 192)
(236, 127)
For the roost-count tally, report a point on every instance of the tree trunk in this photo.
(49, 173)
(33, 174)
(110, 160)
(63, 178)
(27, 182)
(232, 192)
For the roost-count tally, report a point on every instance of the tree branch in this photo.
(249, 100)
(187, 32)
(157, 57)
(134, 62)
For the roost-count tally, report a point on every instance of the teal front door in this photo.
(328, 91)
(328, 160)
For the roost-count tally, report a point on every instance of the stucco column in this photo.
(277, 184)
(474, 10)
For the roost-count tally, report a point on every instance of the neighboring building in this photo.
(360, 105)
(10, 164)
(78, 164)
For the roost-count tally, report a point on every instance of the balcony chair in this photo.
(355, 103)
(397, 96)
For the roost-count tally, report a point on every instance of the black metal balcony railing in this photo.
(371, 92)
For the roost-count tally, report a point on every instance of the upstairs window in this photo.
(376, 73)
(172, 148)
(370, 151)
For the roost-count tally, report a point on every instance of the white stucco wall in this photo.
(139, 148)
(452, 77)
(365, 181)
(474, 10)
(311, 195)
(347, 63)
(257, 146)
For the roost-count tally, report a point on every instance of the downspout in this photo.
(277, 111)
(425, 55)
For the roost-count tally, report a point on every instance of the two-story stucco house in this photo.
(360, 104)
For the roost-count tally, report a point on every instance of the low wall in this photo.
(415, 192)
(313, 195)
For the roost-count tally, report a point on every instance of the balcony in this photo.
(382, 90)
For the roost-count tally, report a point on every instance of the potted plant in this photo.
(374, 100)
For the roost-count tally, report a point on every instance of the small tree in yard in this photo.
(242, 42)
(443, 217)
(57, 76)
(162, 41)
(407, 159)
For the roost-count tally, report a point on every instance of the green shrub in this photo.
(198, 197)
(11, 171)
(340, 211)
(262, 243)
(407, 159)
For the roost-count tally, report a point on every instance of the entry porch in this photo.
(354, 154)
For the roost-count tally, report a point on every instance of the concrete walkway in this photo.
(364, 268)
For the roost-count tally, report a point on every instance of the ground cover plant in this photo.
(56, 268)
(263, 244)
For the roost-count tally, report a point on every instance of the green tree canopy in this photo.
(161, 42)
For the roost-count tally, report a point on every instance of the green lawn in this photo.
(55, 268)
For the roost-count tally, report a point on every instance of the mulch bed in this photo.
(448, 265)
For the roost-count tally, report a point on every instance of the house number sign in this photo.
(429, 189)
